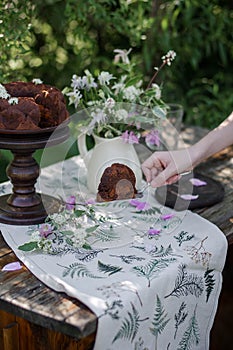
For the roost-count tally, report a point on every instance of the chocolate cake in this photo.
(34, 106)
(117, 182)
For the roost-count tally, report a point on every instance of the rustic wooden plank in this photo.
(35, 337)
(11, 336)
(23, 294)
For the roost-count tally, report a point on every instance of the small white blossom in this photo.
(120, 85)
(121, 115)
(110, 103)
(13, 101)
(122, 55)
(157, 91)
(35, 236)
(37, 81)
(104, 78)
(131, 93)
(45, 245)
(83, 83)
(75, 97)
(169, 57)
(3, 93)
(98, 117)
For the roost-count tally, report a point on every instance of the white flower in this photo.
(37, 81)
(122, 55)
(110, 103)
(79, 239)
(157, 91)
(13, 101)
(169, 57)
(131, 93)
(59, 219)
(120, 85)
(35, 236)
(98, 117)
(121, 115)
(75, 97)
(104, 78)
(86, 82)
(3, 93)
(45, 245)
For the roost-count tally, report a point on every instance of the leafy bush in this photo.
(52, 39)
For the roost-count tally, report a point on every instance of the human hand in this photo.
(165, 167)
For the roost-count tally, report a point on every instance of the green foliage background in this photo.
(53, 39)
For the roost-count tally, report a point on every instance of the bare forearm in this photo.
(215, 141)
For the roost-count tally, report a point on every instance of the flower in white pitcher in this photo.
(119, 106)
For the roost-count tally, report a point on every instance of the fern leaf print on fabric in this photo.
(187, 284)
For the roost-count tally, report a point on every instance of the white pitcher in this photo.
(104, 154)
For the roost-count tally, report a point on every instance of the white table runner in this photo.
(149, 292)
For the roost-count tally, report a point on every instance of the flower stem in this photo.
(155, 75)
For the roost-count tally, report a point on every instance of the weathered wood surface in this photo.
(38, 309)
(43, 318)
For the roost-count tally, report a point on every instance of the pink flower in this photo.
(153, 232)
(152, 138)
(45, 230)
(139, 205)
(70, 202)
(129, 137)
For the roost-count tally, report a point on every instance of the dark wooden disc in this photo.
(28, 215)
(211, 193)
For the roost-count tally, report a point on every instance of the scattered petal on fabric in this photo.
(153, 232)
(197, 182)
(12, 266)
(90, 201)
(167, 216)
(139, 205)
(189, 197)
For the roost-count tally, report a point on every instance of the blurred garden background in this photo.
(54, 39)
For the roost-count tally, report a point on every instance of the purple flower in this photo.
(167, 216)
(189, 197)
(90, 201)
(129, 137)
(70, 202)
(153, 232)
(197, 182)
(152, 138)
(139, 205)
(45, 230)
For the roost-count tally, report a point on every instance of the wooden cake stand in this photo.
(24, 206)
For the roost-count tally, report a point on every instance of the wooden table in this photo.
(35, 317)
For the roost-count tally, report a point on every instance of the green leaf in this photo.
(87, 246)
(79, 212)
(133, 81)
(67, 233)
(27, 247)
(91, 229)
